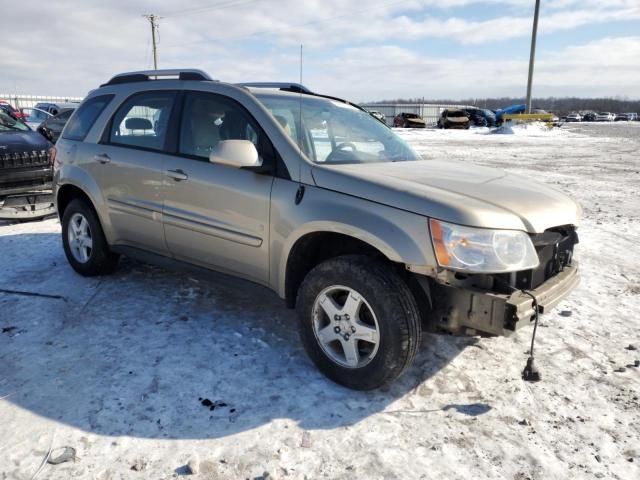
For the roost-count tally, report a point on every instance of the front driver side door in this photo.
(217, 216)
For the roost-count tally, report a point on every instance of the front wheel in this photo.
(358, 321)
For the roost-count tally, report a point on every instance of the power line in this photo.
(147, 54)
(217, 6)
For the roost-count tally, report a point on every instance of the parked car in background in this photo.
(10, 110)
(626, 117)
(573, 117)
(35, 117)
(453, 118)
(55, 108)
(44, 110)
(589, 117)
(343, 220)
(522, 109)
(481, 117)
(554, 119)
(605, 117)
(26, 160)
(52, 127)
(378, 116)
(512, 110)
(409, 120)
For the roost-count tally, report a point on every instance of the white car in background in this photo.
(44, 110)
(605, 117)
(35, 117)
(574, 117)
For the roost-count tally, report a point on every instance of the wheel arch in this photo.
(66, 194)
(90, 193)
(315, 247)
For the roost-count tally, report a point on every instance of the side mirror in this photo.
(236, 153)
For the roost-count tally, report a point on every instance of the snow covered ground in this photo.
(117, 367)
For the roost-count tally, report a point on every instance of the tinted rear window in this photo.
(80, 124)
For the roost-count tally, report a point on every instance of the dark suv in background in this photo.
(52, 127)
(26, 161)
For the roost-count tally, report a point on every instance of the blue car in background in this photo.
(520, 109)
(512, 110)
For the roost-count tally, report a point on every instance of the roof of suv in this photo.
(287, 89)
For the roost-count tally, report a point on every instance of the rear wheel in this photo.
(358, 321)
(84, 243)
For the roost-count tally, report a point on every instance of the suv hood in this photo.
(19, 142)
(455, 192)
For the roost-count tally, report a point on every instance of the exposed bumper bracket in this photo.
(468, 310)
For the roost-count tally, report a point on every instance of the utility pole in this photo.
(533, 54)
(153, 20)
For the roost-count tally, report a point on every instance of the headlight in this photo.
(481, 250)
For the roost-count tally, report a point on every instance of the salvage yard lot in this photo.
(118, 367)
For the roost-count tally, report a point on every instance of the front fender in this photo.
(400, 236)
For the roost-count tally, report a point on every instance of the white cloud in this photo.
(603, 67)
(69, 47)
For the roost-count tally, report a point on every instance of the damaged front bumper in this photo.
(27, 205)
(471, 310)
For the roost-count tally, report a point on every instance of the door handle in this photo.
(102, 158)
(177, 175)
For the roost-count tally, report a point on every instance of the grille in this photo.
(34, 158)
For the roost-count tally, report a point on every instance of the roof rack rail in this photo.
(296, 88)
(284, 86)
(145, 75)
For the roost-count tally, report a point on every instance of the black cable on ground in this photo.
(531, 372)
(30, 294)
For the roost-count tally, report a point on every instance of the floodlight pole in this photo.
(534, 34)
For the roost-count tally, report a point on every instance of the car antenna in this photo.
(300, 192)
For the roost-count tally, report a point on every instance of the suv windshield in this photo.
(333, 132)
(10, 124)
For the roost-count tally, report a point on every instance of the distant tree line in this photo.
(559, 106)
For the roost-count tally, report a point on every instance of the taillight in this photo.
(53, 153)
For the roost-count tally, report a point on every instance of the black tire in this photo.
(392, 303)
(101, 260)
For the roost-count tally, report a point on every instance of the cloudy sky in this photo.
(359, 49)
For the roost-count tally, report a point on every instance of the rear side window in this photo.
(143, 120)
(80, 124)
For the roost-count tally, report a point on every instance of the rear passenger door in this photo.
(214, 215)
(129, 165)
